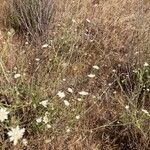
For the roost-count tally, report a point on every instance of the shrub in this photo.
(30, 16)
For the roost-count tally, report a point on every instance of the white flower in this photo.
(26, 43)
(37, 59)
(79, 99)
(93, 96)
(3, 114)
(91, 75)
(34, 105)
(52, 107)
(146, 64)
(39, 120)
(45, 118)
(61, 94)
(136, 53)
(45, 46)
(147, 89)
(48, 126)
(127, 107)
(145, 111)
(83, 93)
(44, 103)
(73, 20)
(73, 109)
(25, 142)
(95, 67)
(110, 84)
(114, 92)
(17, 75)
(15, 134)
(66, 103)
(68, 130)
(88, 20)
(70, 90)
(78, 117)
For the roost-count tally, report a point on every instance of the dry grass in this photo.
(114, 35)
(33, 18)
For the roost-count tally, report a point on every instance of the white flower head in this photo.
(37, 59)
(15, 134)
(93, 96)
(44, 103)
(68, 130)
(39, 120)
(48, 126)
(45, 118)
(114, 92)
(17, 75)
(61, 94)
(91, 75)
(147, 89)
(70, 90)
(26, 43)
(88, 20)
(127, 107)
(66, 103)
(34, 105)
(109, 84)
(79, 99)
(83, 93)
(25, 142)
(73, 20)
(95, 67)
(3, 114)
(45, 46)
(146, 64)
(77, 117)
(145, 111)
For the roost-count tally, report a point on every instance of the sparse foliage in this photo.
(30, 16)
(87, 87)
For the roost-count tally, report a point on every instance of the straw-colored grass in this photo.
(86, 86)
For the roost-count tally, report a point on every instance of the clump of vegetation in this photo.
(30, 16)
(87, 87)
